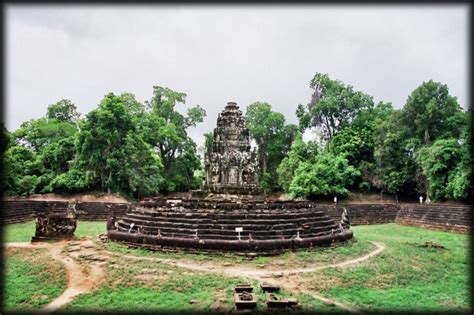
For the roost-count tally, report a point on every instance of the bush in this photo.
(328, 176)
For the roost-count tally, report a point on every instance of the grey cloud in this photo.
(216, 54)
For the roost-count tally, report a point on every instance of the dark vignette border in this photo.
(231, 2)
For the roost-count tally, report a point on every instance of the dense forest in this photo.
(141, 149)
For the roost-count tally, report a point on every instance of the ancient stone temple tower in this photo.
(216, 222)
(231, 166)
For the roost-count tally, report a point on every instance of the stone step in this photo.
(229, 227)
(209, 220)
(244, 236)
(231, 205)
(231, 230)
(290, 231)
(250, 215)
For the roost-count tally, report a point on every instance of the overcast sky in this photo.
(228, 53)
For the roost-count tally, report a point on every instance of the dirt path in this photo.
(80, 278)
(238, 271)
(84, 278)
(285, 276)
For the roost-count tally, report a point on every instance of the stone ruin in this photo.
(231, 222)
(56, 226)
(267, 227)
(231, 166)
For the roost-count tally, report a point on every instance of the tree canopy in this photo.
(333, 105)
(273, 137)
(419, 149)
(143, 148)
(123, 145)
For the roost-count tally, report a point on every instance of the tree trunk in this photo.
(427, 137)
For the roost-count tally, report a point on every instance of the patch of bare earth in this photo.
(219, 304)
(80, 279)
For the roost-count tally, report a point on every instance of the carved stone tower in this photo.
(231, 167)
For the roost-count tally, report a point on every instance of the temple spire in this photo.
(230, 165)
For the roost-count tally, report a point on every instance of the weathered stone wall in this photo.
(362, 213)
(100, 210)
(454, 218)
(15, 211)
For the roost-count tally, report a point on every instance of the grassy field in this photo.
(146, 286)
(406, 276)
(20, 232)
(32, 279)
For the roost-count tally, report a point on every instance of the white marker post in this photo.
(238, 230)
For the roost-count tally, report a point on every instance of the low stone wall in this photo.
(454, 218)
(23, 210)
(362, 213)
(16, 211)
(100, 210)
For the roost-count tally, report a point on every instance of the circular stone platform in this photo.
(197, 225)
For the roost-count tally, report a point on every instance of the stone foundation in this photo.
(211, 225)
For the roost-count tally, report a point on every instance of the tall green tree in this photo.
(355, 142)
(333, 105)
(273, 138)
(445, 165)
(431, 113)
(166, 131)
(112, 149)
(394, 156)
(63, 110)
(48, 144)
(299, 152)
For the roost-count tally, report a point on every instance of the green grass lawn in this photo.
(32, 279)
(146, 286)
(90, 228)
(406, 276)
(23, 232)
(19, 232)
